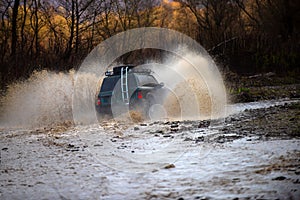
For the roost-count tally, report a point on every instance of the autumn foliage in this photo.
(246, 36)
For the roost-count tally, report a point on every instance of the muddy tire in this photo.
(150, 101)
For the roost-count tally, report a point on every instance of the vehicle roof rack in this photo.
(141, 70)
(117, 69)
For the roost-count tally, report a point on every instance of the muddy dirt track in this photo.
(252, 154)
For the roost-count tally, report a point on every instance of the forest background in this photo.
(245, 37)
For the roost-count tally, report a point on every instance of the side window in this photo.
(132, 84)
(146, 79)
(109, 84)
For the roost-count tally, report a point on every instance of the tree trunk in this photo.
(14, 38)
(23, 26)
(36, 28)
(71, 38)
(77, 27)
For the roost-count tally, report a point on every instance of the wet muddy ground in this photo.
(252, 154)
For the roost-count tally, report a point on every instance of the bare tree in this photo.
(23, 40)
(14, 38)
(35, 15)
(5, 30)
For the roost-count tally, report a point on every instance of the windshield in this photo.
(109, 83)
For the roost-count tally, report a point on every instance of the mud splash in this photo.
(47, 98)
(44, 99)
(196, 88)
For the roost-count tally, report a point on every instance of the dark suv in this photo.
(128, 88)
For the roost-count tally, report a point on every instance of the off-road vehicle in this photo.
(127, 87)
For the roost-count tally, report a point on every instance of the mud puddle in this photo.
(240, 107)
(154, 160)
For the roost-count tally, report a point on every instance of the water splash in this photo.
(196, 90)
(44, 99)
(49, 98)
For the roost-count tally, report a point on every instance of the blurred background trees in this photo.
(246, 36)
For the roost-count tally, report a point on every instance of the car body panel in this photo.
(140, 84)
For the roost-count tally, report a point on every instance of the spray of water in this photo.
(48, 98)
(45, 99)
(194, 93)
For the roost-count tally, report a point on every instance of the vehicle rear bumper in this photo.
(104, 110)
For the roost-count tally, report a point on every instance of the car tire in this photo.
(150, 101)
